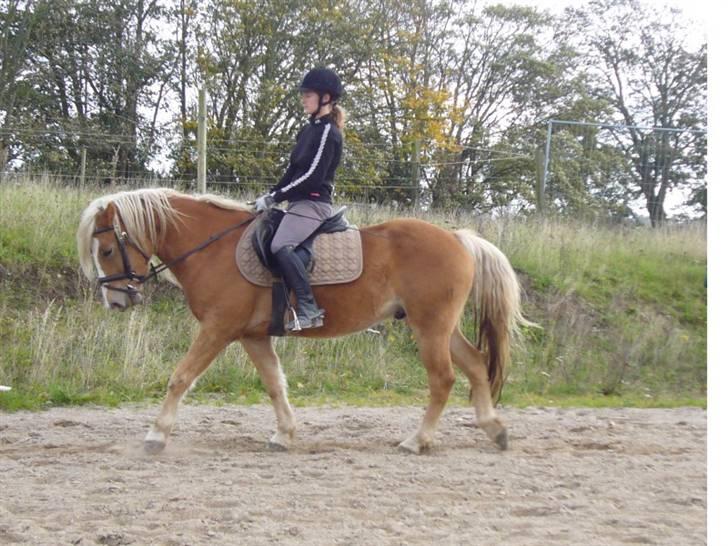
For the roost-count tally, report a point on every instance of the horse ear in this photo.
(105, 216)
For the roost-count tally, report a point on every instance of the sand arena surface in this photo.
(574, 476)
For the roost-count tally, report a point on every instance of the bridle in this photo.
(123, 242)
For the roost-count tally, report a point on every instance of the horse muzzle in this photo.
(122, 298)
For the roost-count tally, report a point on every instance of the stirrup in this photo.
(298, 324)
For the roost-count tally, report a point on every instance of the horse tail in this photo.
(496, 297)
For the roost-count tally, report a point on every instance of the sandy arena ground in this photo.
(79, 476)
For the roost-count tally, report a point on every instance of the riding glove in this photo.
(264, 202)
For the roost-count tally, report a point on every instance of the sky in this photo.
(697, 10)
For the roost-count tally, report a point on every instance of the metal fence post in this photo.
(202, 141)
(82, 176)
(416, 173)
(541, 194)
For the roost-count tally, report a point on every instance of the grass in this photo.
(622, 311)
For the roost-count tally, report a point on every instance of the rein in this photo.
(122, 240)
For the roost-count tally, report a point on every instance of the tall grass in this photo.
(622, 314)
(37, 224)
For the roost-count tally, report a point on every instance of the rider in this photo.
(307, 185)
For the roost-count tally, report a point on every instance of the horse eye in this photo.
(106, 253)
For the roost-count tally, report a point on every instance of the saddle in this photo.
(271, 219)
(332, 255)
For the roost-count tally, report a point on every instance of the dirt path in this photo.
(622, 476)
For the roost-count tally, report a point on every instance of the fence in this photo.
(622, 166)
(369, 172)
(583, 166)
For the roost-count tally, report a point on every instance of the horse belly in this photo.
(353, 307)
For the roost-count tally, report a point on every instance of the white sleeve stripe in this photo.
(314, 163)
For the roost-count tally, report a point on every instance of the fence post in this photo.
(3, 159)
(541, 194)
(202, 141)
(416, 173)
(82, 177)
(539, 178)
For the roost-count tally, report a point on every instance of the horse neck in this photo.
(198, 221)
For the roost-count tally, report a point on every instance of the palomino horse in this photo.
(411, 267)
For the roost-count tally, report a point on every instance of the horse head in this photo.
(117, 237)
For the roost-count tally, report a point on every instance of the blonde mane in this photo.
(146, 213)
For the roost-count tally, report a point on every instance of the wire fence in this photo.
(370, 171)
(586, 165)
(579, 166)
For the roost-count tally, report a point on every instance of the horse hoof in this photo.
(153, 447)
(275, 446)
(154, 442)
(405, 448)
(280, 441)
(502, 439)
(496, 432)
(413, 445)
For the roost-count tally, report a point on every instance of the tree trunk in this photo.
(656, 208)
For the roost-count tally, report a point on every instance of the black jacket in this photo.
(310, 173)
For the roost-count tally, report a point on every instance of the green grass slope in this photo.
(622, 314)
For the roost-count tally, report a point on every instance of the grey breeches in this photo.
(300, 221)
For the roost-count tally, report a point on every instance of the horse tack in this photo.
(122, 241)
(338, 259)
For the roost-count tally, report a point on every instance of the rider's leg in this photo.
(300, 221)
(308, 314)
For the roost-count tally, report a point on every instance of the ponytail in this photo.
(338, 114)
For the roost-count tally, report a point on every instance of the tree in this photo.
(252, 56)
(503, 73)
(640, 63)
(441, 82)
(16, 21)
(91, 68)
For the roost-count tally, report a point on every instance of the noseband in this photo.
(122, 241)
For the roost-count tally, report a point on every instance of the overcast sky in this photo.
(694, 9)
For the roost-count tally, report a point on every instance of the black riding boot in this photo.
(308, 314)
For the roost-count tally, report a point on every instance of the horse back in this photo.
(415, 251)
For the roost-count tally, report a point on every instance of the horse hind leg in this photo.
(436, 357)
(266, 361)
(472, 362)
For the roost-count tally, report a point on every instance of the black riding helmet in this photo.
(322, 80)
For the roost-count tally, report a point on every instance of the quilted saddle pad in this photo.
(337, 258)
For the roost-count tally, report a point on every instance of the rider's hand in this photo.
(264, 202)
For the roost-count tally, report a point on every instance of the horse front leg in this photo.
(266, 361)
(206, 346)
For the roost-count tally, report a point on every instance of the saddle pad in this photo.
(337, 258)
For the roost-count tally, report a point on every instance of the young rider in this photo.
(307, 185)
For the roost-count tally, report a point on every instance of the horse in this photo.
(412, 269)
